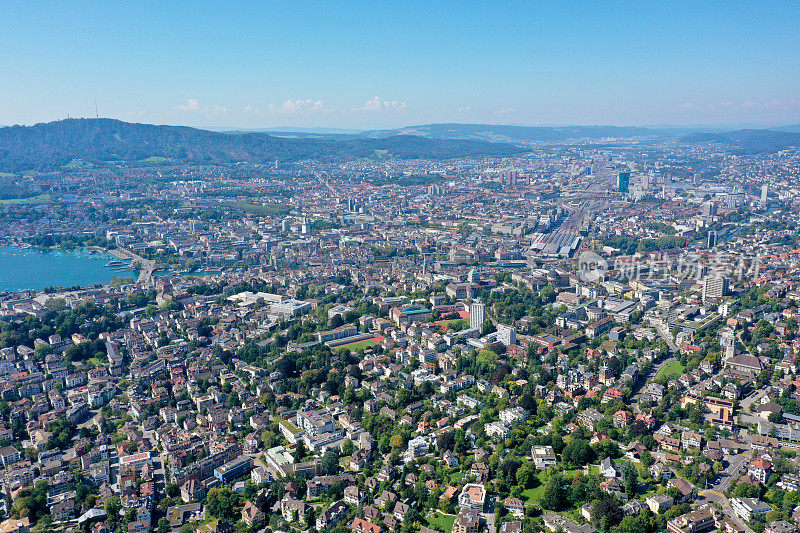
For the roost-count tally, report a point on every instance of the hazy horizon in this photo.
(289, 128)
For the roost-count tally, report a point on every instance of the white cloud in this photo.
(290, 107)
(192, 104)
(507, 111)
(464, 109)
(377, 105)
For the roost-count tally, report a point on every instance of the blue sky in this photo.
(384, 64)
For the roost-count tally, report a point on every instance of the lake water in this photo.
(36, 268)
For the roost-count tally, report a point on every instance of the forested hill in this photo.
(52, 145)
(749, 141)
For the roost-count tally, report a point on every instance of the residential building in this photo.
(714, 287)
(473, 496)
(477, 314)
(359, 525)
(467, 521)
(659, 503)
(700, 520)
(252, 515)
(543, 456)
(750, 508)
(760, 469)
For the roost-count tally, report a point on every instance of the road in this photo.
(328, 185)
(736, 463)
(159, 473)
(664, 334)
(89, 420)
(745, 404)
(146, 273)
(745, 417)
(488, 515)
(634, 400)
(715, 492)
(709, 496)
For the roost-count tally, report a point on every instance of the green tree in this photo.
(222, 503)
(172, 490)
(31, 503)
(554, 496)
(634, 524)
(606, 512)
(42, 350)
(119, 281)
(647, 458)
(56, 304)
(112, 507)
(336, 321)
(347, 447)
(630, 478)
(578, 452)
(330, 463)
(526, 475)
(44, 525)
(746, 490)
(233, 399)
(299, 452)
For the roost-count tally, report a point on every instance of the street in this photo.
(634, 400)
(716, 492)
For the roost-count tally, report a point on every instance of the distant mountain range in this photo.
(515, 133)
(52, 145)
(747, 141)
(750, 141)
(743, 141)
(290, 129)
(792, 127)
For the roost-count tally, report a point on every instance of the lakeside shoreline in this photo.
(36, 268)
(151, 269)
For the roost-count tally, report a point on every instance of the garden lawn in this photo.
(455, 477)
(40, 197)
(533, 495)
(464, 322)
(442, 521)
(366, 343)
(571, 473)
(671, 370)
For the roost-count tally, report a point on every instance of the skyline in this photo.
(364, 66)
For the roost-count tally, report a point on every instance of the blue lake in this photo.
(36, 268)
